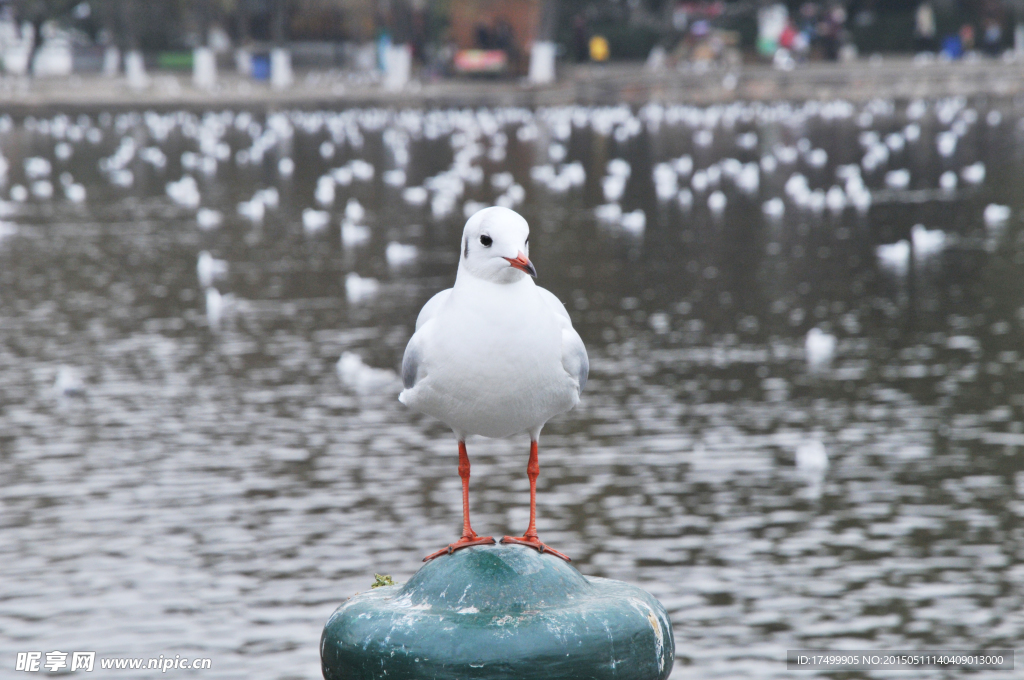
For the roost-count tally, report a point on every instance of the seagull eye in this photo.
(486, 241)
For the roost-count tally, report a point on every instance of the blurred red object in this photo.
(481, 61)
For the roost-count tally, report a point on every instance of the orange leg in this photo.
(469, 536)
(530, 537)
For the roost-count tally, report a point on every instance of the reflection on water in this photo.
(184, 472)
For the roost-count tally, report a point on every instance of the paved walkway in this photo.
(588, 84)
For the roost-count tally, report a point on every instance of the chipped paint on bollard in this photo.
(499, 611)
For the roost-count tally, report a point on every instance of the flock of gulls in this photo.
(700, 157)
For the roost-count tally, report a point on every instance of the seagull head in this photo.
(496, 246)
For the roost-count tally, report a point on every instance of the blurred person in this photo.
(834, 24)
(993, 16)
(483, 37)
(992, 37)
(580, 38)
(924, 28)
(966, 36)
(837, 28)
(504, 39)
(787, 38)
(812, 29)
(599, 48)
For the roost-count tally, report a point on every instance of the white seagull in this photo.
(495, 355)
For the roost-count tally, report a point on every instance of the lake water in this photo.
(204, 484)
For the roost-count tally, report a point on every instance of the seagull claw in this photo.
(534, 542)
(464, 542)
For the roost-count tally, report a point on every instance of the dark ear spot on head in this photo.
(465, 249)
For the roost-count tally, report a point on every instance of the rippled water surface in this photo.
(181, 481)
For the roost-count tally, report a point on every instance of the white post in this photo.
(542, 62)
(397, 67)
(204, 68)
(281, 76)
(135, 70)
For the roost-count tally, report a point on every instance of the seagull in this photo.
(495, 355)
(819, 348)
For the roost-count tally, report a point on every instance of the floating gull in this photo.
(314, 221)
(354, 210)
(68, 383)
(897, 179)
(927, 242)
(634, 222)
(774, 207)
(399, 254)
(947, 181)
(716, 202)
(324, 193)
(819, 349)
(353, 235)
(359, 289)
(996, 215)
(394, 178)
(210, 269)
(415, 195)
(974, 174)
(895, 256)
(184, 192)
(208, 218)
(363, 379)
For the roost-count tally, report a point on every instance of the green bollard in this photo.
(490, 612)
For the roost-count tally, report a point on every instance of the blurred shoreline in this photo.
(607, 84)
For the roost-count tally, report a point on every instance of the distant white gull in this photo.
(215, 303)
(210, 269)
(812, 464)
(363, 379)
(819, 348)
(774, 207)
(314, 221)
(927, 242)
(634, 222)
(353, 235)
(207, 218)
(354, 210)
(394, 178)
(68, 383)
(897, 179)
(947, 181)
(996, 215)
(716, 202)
(894, 256)
(974, 173)
(415, 195)
(495, 355)
(400, 254)
(359, 289)
(324, 193)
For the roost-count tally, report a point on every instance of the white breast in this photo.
(491, 362)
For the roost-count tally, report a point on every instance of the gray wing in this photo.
(411, 359)
(411, 362)
(574, 357)
(574, 352)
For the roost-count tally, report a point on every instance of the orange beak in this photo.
(522, 263)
